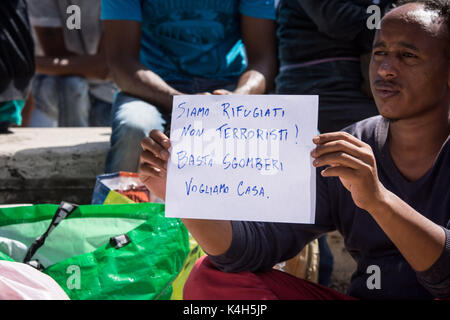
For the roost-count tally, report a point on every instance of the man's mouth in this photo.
(386, 92)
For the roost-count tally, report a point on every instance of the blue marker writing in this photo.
(192, 111)
(205, 189)
(260, 164)
(185, 159)
(192, 131)
(242, 133)
(246, 190)
(242, 111)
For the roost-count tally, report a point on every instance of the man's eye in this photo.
(409, 55)
(379, 53)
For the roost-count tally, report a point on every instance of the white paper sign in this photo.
(242, 157)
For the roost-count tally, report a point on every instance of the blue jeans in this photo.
(133, 119)
(65, 101)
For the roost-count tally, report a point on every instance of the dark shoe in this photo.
(4, 127)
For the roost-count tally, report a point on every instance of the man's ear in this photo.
(448, 74)
(448, 65)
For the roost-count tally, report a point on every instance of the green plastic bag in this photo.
(104, 193)
(126, 251)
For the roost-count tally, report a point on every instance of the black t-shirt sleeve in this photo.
(437, 278)
(258, 246)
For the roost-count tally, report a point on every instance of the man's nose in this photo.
(387, 69)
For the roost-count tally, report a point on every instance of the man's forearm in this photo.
(138, 81)
(213, 236)
(251, 82)
(91, 67)
(420, 241)
(257, 79)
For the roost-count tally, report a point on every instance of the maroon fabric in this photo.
(206, 282)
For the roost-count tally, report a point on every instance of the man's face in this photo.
(409, 69)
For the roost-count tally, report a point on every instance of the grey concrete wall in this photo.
(49, 165)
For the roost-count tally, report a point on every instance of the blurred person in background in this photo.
(158, 49)
(16, 62)
(72, 86)
(321, 43)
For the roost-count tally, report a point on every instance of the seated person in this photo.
(16, 62)
(383, 183)
(71, 88)
(320, 45)
(158, 49)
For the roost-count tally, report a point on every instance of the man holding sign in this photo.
(383, 183)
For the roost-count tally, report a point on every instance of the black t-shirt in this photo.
(16, 51)
(259, 246)
(318, 29)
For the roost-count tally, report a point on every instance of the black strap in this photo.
(119, 241)
(36, 264)
(64, 210)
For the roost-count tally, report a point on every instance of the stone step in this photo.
(50, 165)
(344, 265)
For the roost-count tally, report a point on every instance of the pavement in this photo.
(344, 265)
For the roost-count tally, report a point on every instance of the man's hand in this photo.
(58, 61)
(222, 92)
(214, 236)
(216, 92)
(203, 93)
(418, 239)
(153, 162)
(354, 163)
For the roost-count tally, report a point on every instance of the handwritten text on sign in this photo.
(242, 158)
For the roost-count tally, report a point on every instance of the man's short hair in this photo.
(442, 7)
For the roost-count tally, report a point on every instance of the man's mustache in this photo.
(381, 84)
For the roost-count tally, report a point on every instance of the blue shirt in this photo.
(182, 39)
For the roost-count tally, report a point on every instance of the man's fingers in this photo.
(341, 172)
(331, 136)
(333, 146)
(221, 92)
(149, 158)
(148, 170)
(363, 153)
(158, 143)
(339, 159)
(148, 144)
(160, 138)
